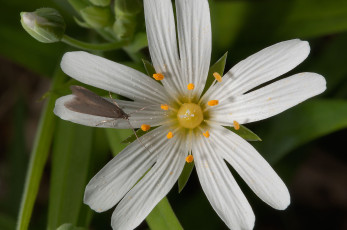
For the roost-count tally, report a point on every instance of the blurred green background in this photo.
(305, 145)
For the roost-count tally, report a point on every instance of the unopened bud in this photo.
(97, 17)
(45, 25)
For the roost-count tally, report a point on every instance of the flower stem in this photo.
(39, 155)
(90, 46)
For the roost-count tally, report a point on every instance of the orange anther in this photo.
(190, 86)
(212, 102)
(217, 76)
(236, 125)
(189, 159)
(169, 135)
(145, 127)
(158, 76)
(206, 134)
(164, 107)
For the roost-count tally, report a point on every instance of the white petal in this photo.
(116, 178)
(269, 100)
(262, 67)
(105, 74)
(162, 43)
(151, 115)
(194, 33)
(145, 195)
(252, 167)
(221, 188)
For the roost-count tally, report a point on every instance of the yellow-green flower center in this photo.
(190, 115)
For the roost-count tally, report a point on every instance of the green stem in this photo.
(90, 46)
(39, 155)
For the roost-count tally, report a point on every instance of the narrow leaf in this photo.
(69, 226)
(39, 156)
(70, 164)
(163, 217)
(184, 177)
(302, 124)
(245, 133)
(217, 67)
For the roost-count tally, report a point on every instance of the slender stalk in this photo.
(39, 155)
(90, 46)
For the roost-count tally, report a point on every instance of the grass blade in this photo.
(39, 155)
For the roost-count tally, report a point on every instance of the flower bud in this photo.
(45, 25)
(100, 2)
(97, 17)
(128, 7)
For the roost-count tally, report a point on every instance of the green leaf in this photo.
(39, 155)
(184, 177)
(69, 226)
(217, 67)
(245, 133)
(115, 137)
(149, 68)
(316, 18)
(302, 124)
(163, 217)
(70, 164)
(139, 134)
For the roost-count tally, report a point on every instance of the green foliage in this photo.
(69, 227)
(184, 177)
(39, 156)
(245, 133)
(72, 149)
(217, 67)
(162, 217)
(302, 124)
(118, 138)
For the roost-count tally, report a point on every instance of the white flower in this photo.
(193, 124)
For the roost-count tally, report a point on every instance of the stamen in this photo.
(158, 76)
(217, 76)
(145, 127)
(206, 134)
(169, 135)
(236, 125)
(190, 86)
(189, 158)
(212, 102)
(164, 107)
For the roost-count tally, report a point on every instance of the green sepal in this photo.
(218, 67)
(149, 68)
(184, 177)
(245, 133)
